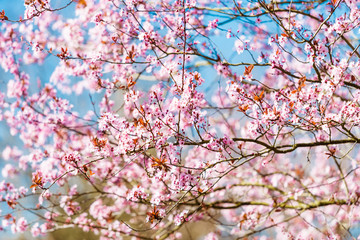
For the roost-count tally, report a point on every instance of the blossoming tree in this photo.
(244, 114)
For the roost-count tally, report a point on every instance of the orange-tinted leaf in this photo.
(261, 94)
(302, 81)
(197, 76)
(28, 2)
(154, 215)
(2, 15)
(131, 83)
(142, 122)
(260, 97)
(248, 69)
(291, 104)
(81, 3)
(37, 181)
(11, 203)
(331, 152)
(243, 108)
(99, 143)
(160, 164)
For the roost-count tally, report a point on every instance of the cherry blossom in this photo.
(143, 118)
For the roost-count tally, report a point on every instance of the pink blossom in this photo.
(9, 171)
(211, 236)
(137, 194)
(20, 225)
(213, 24)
